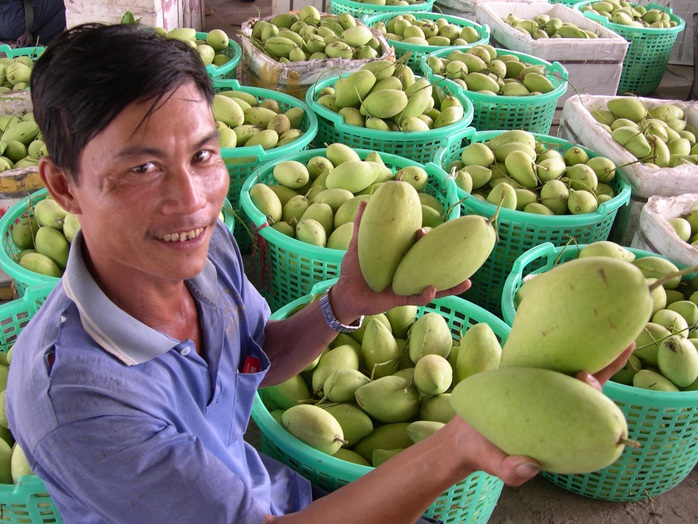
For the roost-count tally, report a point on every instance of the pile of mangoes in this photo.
(378, 390)
(666, 353)
(20, 142)
(487, 70)
(243, 120)
(411, 29)
(316, 201)
(210, 49)
(386, 96)
(658, 136)
(310, 35)
(686, 226)
(519, 172)
(15, 72)
(396, 3)
(625, 13)
(42, 237)
(545, 26)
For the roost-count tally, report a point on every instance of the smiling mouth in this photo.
(182, 236)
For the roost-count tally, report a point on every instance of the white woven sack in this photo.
(578, 126)
(656, 234)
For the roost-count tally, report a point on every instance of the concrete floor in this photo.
(538, 501)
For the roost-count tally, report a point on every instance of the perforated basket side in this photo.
(648, 53)
(472, 500)
(416, 52)
(519, 231)
(287, 268)
(421, 146)
(497, 112)
(242, 161)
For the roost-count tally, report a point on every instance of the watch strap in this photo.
(332, 321)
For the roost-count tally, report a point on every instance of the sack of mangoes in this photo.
(291, 51)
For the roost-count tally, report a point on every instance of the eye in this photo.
(143, 168)
(202, 156)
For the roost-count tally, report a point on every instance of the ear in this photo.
(60, 185)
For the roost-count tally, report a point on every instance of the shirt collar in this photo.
(117, 332)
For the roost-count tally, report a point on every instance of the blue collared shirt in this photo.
(130, 425)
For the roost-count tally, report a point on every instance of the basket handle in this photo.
(546, 249)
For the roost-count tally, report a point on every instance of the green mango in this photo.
(49, 213)
(580, 315)
(648, 379)
(388, 229)
(401, 319)
(433, 375)
(341, 357)
(286, 394)
(648, 341)
(479, 350)
(51, 242)
(567, 426)
(355, 423)
(314, 426)
(678, 361)
(23, 232)
(386, 436)
(428, 335)
(379, 349)
(389, 399)
(341, 384)
(421, 429)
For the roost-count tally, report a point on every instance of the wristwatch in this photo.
(332, 321)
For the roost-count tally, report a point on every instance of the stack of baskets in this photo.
(242, 161)
(649, 51)
(27, 501)
(519, 231)
(287, 268)
(533, 113)
(416, 52)
(664, 423)
(472, 500)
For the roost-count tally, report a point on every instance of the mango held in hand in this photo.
(388, 229)
(580, 315)
(462, 246)
(567, 426)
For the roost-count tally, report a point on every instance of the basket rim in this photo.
(33, 51)
(304, 249)
(612, 389)
(680, 26)
(483, 30)
(215, 71)
(257, 151)
(488, 209)
(551, 68)
(391, 136)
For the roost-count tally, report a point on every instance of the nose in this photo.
(184, 192)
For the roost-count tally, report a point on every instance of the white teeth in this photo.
(185, 235)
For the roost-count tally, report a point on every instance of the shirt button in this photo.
(185, 351)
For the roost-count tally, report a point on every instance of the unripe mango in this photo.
(580, 315)
(678, 360)
(354, 422)
(429, 334)
(462, 245)
(389, 399)
(51, 242)
(314, 426)
(386, 436)
(479, 350)
(564, 424)
(432, 375)
(387, 230)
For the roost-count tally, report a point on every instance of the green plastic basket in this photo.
(421, 146)
(648, 53)
(26, 502)
(227, 70)
(472, 500)
(360, 9)
(242, 161)
(418, 51)
(497, 112)
(24, 278)
(665, 424)
(519, 231)
(287, 268)
(33, 52)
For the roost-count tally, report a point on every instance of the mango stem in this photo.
(629, 442)
(674, 274)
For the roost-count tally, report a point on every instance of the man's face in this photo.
(150, 191)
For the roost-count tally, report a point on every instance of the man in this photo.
(24, 23)
(128, 391)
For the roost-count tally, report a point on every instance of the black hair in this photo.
(92, 72)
